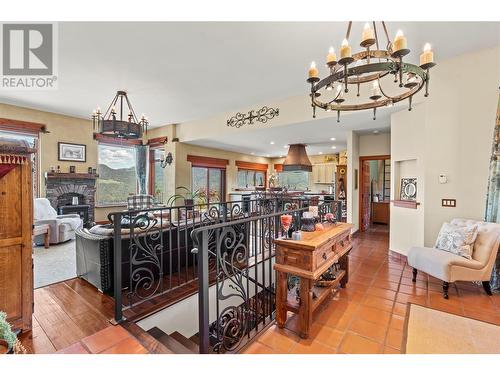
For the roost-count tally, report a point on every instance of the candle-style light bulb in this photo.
(345, 50)
(313, 71)
(331, 57)
(427, 56)
(399, 41)
(367, 33)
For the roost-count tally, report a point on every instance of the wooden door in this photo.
(365, 196)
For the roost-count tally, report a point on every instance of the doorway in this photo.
(374, 192)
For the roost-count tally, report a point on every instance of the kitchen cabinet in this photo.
(323, 173)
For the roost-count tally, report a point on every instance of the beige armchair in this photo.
(450, 267)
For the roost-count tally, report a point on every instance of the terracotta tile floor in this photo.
(111, 340)
(368, 316)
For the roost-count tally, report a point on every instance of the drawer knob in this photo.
(342, 243)
(324, 256)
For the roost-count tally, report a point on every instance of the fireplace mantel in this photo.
(71, 176)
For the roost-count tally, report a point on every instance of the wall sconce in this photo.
(164, 161)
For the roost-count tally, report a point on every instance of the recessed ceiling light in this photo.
(320, 153)
(253, 153)
(272, 142)
(268, 156)
(285, 146)
(334, 147)
(333, 139)
(375, 132)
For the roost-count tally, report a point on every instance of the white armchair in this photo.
(450, 267)
(62, 227)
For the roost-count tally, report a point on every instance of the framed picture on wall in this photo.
(72, 152)
(408, 189)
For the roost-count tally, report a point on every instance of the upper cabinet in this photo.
(323, 173)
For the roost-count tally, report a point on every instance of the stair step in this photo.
(185, 341)
(168, 341)
(196, 339)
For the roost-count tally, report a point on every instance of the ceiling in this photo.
(177, 72)
(316, 134)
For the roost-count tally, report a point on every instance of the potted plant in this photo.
(8, 340)
(188, 196)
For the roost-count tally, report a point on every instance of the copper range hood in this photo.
(297, 159)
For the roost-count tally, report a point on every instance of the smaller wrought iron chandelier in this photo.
(110, 125)
(360, 68)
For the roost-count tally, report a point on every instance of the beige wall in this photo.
(61, 129)
(374, 144)
(449, 133)
(179, 173)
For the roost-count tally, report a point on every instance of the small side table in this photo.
(45, 230)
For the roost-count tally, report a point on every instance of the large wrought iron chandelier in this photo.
(113, 123)
(369, 67)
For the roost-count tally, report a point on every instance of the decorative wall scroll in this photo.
(261, 115)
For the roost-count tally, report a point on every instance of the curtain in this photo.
(493, 195)
(141, 167)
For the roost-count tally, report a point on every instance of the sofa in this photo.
(62, 227)
(449, 267)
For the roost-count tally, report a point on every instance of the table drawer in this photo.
(324, 254)
(343, 243)
(294, 258)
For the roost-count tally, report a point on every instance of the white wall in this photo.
(352, 192)
(450, 133)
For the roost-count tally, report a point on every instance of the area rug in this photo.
(55, 264)
(430, 331)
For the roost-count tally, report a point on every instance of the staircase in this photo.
(176, 342)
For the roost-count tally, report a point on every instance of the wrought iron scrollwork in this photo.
(232, 322)
(144, 248)
(261, 115)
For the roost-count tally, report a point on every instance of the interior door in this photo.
(365, 196)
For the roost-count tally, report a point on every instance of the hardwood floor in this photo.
(368, 316)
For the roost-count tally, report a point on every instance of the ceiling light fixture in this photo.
(334, 147)
(271, 143)
(333, 139)
(389, 61)
(109, 125)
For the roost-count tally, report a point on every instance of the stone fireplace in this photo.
(61, 188)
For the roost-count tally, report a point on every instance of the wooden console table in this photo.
(308, 259)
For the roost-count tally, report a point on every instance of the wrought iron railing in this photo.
(152, 247)
(239, 256)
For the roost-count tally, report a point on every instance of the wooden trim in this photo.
(22, 126)
(374, 157)
(151, 180)
(362, 159)
(278, 167)
(116, 141)
(85, 176)
(103, 222)
(251, 166)
(405, 204)
(205, 161)
(157, 142)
